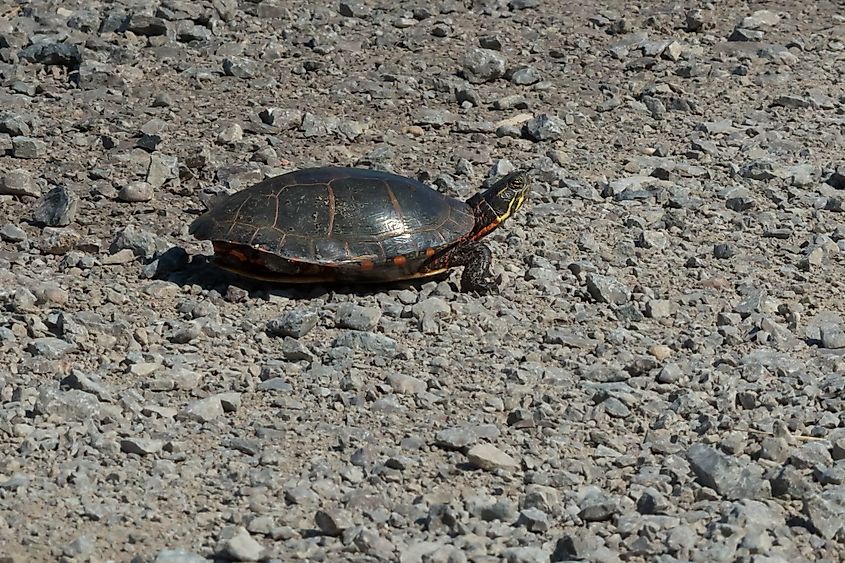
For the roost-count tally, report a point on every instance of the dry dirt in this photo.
(660, 377)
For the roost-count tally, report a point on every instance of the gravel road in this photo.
(661, 377)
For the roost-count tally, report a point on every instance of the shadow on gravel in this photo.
(176, 266)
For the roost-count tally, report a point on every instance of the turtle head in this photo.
(494, 205)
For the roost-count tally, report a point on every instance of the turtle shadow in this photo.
(176, 266)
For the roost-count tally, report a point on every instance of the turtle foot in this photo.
(485, 286)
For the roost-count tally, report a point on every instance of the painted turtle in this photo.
(353, 224)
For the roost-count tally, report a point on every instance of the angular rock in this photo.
(28, 147)
(356, 317)
(275, 384)
(283, 118)
(760, 19)
(18, 182)
(187, 31)
(296, 323)
(728, 476)
(378, 344)
(70, 405)
(141, 242)
(525, 76)
(597, 506)
(544, 127)
(435, 117)
(226, 9)
(141, 446)
(294, 350)
(406, 385)
(652, 502)
(580, 545)
(142, 24)
(790, 101)
(723, 251)
(162, 168)
(459, 437)
(354, 9)
(96, 74)
(202, 410)
(528, 554)
(607, 289)
(812, 455)
(240, 67)
(52, 53)
(428, 311)
(534, 520)
(318, 126)
(12, 233)
(659, 308)
(240, 546)
(774, 449)
(15, 125)
(826, 511)
(50, 347)
(741, 34)
(490, 458)
(58, 240)
(790, 483)
(484, 65)
(82, 548)
(230, 133)
(490, 509)
(832, 336)
(57, 208)
(333, 522)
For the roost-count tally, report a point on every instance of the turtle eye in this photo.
(515, 186)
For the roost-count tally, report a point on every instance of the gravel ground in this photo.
(660, 378)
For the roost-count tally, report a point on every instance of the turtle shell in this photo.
(334, 223)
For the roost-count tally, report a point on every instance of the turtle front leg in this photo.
(476, 258)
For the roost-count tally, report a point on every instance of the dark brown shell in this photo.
(336, 217)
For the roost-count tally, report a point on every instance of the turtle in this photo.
(348, 224)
